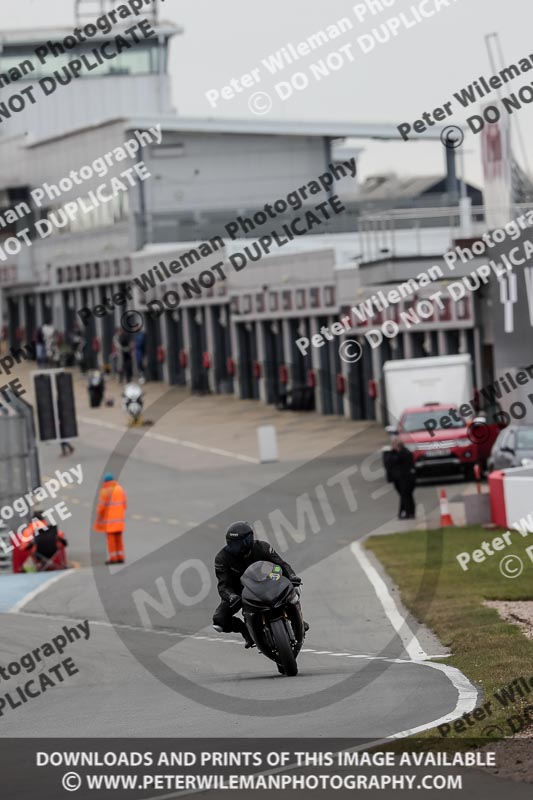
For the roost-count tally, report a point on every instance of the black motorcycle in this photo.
(271, 608)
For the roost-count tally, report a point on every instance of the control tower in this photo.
(133, 84)
(88, 10)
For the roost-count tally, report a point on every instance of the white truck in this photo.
(424, 397)
(416, 382)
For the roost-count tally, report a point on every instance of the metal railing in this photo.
(420, 231)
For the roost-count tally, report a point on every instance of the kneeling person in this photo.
(48, 545)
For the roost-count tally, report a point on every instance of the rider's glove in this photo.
(296, 581)
(296, 594)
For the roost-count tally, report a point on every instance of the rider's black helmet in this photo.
(240, 539)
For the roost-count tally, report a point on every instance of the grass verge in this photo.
(490, 652)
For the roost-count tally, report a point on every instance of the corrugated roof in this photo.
(383, 187)
(252, 127)
(40, 35)
(331, 129)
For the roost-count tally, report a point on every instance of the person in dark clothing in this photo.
(401, 469)
(77, 345)
(127, 361)
(140, 352)
(66, 448)
(40, 354)
(231, 562)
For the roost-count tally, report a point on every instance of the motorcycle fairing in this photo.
(265, 584)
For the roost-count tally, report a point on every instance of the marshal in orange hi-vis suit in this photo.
(111, 518)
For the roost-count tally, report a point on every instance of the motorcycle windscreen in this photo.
(264, 582)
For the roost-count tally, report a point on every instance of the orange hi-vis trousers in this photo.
(115, 547)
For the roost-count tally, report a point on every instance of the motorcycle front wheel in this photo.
(283, 646)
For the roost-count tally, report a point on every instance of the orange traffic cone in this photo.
(446, 520)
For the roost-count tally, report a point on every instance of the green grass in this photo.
(489, 651)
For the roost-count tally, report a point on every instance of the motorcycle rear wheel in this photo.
(283, 646)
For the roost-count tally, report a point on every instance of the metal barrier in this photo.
(5, 549)
(511, 496)
(19, 465)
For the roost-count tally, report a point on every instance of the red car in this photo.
(438, 441)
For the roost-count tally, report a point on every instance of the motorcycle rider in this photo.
(231, 562)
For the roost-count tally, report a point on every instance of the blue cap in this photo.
(108, 477)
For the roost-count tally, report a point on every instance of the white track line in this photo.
(412, 646)
(170, 440)
(33, 594)
(467, 694)
(467, 698)
(194, 446)
(199, 637)
(217, 639)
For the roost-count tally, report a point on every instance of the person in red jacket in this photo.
(48, 545)
(23, 543)
(111, 518)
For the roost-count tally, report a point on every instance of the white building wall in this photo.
(87, 102)
(212, 171)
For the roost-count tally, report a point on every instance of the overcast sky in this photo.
(417, 71)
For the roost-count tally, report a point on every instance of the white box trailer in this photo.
(413, 382)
